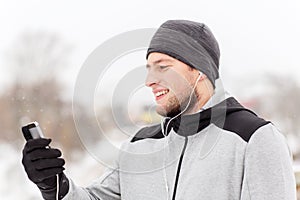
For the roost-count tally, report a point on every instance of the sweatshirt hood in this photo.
(186, 125)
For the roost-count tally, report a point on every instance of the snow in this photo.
(14, 183)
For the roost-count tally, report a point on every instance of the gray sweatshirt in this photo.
(224, 152)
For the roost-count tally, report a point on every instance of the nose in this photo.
(151, 79)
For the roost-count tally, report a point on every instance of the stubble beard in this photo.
(176, 105)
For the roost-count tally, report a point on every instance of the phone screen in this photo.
(32, 131)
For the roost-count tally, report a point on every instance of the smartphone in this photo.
(32, 130)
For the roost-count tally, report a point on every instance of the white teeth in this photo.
(157, 94)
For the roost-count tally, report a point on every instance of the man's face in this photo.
(171, 81)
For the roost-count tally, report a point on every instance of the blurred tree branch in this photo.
(36, 59)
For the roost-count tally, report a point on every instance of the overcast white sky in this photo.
(255, 36)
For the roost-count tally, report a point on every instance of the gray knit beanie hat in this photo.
(190, 42)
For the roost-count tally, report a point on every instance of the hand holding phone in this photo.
(43, 165)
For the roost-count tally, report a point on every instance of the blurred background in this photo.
(45, 43)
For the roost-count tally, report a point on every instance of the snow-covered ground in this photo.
(13, 180)
(83, 169)
(14, 183)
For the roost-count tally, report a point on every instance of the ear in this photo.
(202, 76)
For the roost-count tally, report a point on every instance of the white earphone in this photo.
(165, 129)
(200, 74)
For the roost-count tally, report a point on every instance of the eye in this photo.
(163, 66)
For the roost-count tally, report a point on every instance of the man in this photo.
(208, 146)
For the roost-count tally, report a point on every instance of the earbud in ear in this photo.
(200, 74)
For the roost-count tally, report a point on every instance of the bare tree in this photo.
(36, 93)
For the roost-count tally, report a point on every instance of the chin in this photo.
(167, 112)
(161, 111)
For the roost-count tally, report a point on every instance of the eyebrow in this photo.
(159, 61)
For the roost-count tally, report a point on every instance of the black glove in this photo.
(42, 164)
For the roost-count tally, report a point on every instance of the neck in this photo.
(197, 105)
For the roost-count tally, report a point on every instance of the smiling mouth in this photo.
(159, 95)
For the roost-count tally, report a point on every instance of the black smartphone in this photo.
(32, 130)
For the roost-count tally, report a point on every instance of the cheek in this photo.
(177, 81)
(179, 85)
